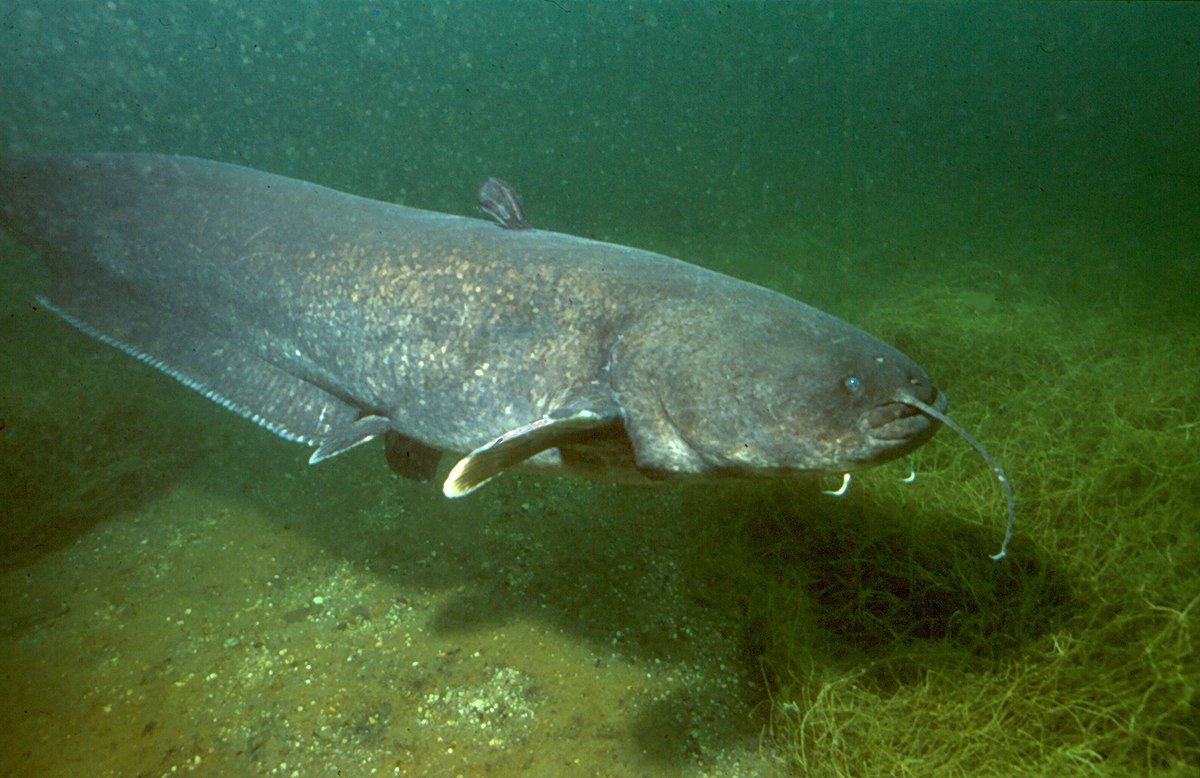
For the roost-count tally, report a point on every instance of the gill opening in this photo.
(929, 410)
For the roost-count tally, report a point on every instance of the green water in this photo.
(1010, 193)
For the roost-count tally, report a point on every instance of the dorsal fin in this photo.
(500, 201)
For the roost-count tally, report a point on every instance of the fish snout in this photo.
(901, 421)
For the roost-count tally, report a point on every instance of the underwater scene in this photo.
(1008, 193)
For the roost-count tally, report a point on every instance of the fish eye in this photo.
(852, 384)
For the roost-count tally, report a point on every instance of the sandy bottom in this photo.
(271, 632)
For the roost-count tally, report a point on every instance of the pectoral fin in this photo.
(515, 446)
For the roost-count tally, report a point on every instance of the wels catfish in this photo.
(332, 320)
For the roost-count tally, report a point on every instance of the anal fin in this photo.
(179, 345)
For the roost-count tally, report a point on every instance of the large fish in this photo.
(331, 320)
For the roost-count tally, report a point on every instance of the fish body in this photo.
(332, 319)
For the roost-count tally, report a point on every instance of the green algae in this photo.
(893, 646)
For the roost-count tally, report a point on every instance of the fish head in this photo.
(778, 388)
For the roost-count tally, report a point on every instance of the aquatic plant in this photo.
(892, 646)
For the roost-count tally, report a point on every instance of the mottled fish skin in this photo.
(312, 311)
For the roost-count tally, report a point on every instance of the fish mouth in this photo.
(901, 422)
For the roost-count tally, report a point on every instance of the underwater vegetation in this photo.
(892, 645)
